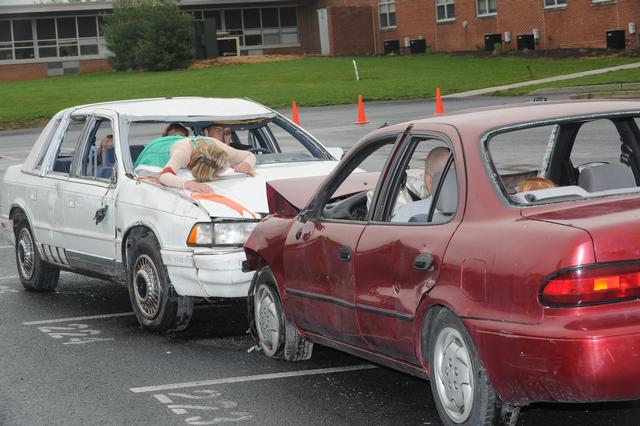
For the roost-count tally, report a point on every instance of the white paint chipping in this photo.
(253, 378)
(90, 317)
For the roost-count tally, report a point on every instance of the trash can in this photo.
(490, 40)
(392, 46)
(615, 39)
(526, 41)
(418, 45)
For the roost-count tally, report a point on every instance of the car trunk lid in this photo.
(613, 224)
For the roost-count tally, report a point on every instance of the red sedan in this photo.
(494, 252)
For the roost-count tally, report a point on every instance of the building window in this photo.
(486, 7)
(445, 10)
(387, 10)
(256, 27)
(44, 38)
(550, 4)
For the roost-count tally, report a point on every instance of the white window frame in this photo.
(557, 4)
(387, 3)
(486, 2)
(602, 1)
(443, 4)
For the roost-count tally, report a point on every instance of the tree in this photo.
(152, 35)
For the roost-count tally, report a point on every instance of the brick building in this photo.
(44, 38)
(463, 25)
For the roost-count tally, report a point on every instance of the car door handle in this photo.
(344, 254)
(423, 262)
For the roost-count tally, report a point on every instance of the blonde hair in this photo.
(207, 162)
(533, 183)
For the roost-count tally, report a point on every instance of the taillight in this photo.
(592, 285)
(279, 205)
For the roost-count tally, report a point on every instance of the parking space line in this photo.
(5, 247)
(254, 378)
(9, 277)
(90, 317)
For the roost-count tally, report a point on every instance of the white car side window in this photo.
(64, 157)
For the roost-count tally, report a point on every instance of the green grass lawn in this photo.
(626, 76)
(310, 81)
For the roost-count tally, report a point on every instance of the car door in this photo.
(46, 199)
(89, 198)
(318, 252)
(398, 262)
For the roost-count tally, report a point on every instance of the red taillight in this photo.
(278, 205)
(592, 285)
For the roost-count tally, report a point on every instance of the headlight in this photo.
(225, 233)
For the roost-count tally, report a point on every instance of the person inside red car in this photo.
(433, 164)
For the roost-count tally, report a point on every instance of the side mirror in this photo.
(336, 152)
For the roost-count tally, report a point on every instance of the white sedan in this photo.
(79, 206)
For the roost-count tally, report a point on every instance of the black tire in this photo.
(35, 274)
(461, 389)
(154, 300)
(277, 337)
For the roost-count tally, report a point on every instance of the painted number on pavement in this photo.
(203, 407)
(74, 334)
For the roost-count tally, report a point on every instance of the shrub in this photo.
(152, 35)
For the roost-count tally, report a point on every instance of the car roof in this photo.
(182, 109)
(484, 119)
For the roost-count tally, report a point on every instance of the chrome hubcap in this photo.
(26, 254)
(453, 375)
(146, 286)
(267, 322)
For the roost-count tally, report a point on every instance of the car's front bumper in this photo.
(6, 231)
(588, 359)
(208, 273)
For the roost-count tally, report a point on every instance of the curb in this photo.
(607, 95)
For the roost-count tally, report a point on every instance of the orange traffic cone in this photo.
(294, 113)
(361, 118)
(439, 107)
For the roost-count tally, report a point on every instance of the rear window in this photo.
(566, 161)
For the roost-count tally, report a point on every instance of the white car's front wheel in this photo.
(156, 304)
(35, 274)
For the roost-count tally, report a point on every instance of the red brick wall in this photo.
(351, 30)
(580, 24)
(22, 71)
(94, 65)
(308, 30)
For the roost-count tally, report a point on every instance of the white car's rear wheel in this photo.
(155, 302)
(35, 274)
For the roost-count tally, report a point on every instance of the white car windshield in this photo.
(273, 140)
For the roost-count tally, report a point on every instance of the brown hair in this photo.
(101, 148)
(175, 129)
(533, 183)
(207, 162)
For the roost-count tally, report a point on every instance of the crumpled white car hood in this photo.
(239, 195)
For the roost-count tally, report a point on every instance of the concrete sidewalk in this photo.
(490, 90)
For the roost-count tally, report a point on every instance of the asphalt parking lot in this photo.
(78, 356)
